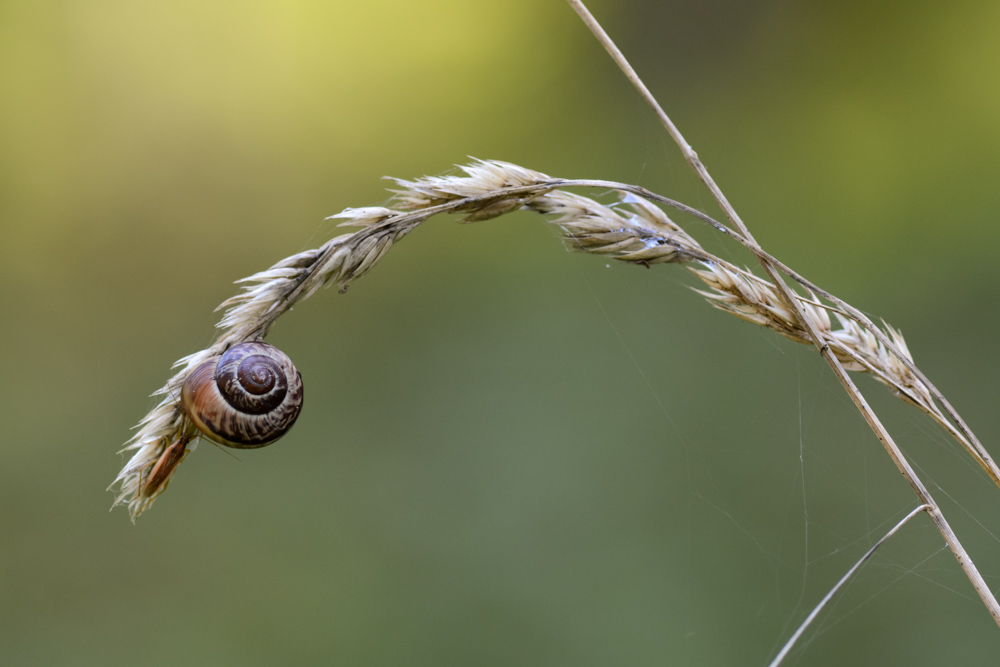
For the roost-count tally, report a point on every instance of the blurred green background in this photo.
(509, 454)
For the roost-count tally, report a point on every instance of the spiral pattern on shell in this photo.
(248, 397)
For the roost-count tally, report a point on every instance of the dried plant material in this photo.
(632, 230)
(901, 357)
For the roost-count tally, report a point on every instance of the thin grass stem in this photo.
(773, 271)
(843, 580)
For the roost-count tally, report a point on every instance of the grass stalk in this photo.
(773, 270)
(843, 580)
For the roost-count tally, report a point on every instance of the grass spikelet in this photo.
(631, 230)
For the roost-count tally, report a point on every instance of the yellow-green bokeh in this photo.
(509, 455)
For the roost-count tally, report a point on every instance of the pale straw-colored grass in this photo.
(897, 354)
(630, 230)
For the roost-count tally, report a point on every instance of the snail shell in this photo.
(248, 397)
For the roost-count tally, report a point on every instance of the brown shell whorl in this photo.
(248, 397)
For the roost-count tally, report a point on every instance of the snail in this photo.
(246, 398)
